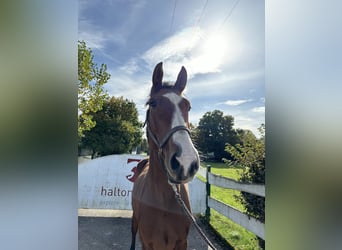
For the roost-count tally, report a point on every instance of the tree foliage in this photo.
(213, 132)
(117, 128)
(91, 94)
(250, 154)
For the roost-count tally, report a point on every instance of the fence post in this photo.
(207, 211)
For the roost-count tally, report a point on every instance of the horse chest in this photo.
(164, 230)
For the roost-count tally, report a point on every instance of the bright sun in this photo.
(214, 48)
(217, 49)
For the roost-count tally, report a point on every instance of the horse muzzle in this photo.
(182, 171)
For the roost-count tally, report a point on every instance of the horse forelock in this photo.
(166, 86)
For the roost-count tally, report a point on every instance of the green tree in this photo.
(91, 94)
(143, 147)
(117, 128)
(213, 132)
(250, 154)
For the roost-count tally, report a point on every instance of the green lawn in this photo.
(234, 234)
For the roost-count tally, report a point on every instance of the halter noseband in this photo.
(161, 144)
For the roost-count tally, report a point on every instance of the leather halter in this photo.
(160, 144)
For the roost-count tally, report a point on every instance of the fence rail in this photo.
(248, 222)
(224, 182)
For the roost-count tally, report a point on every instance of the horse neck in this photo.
(160, 183)
(156, 169)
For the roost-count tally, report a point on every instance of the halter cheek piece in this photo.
(161, 144)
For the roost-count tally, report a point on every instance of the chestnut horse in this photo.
(161, 222)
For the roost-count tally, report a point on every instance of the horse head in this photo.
(168, 127)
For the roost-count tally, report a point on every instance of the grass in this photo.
(234, 234)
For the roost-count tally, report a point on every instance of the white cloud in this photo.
(237, 102)
(221, 83)
(202, 52)
(130, 89)
(95, 37)
(94, 42)
(173, 51)
(130, 67)
(249, 123)
(178, 44)
(242, 119)
(259, 109)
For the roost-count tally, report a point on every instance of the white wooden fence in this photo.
(251, 224)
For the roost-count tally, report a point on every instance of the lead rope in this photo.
(190, 216)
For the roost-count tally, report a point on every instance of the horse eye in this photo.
(153, 103)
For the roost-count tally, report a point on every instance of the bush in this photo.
(250, 154)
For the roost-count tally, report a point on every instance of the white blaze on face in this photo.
(181, 137)
(177, 118)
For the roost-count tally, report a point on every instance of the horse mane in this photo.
(165, 85)
(141, 165)
(168, 85)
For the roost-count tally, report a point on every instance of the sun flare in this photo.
(217, 49)
(215, 46)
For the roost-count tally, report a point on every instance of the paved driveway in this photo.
(108, 229)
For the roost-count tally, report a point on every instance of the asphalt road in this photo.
(108, 229)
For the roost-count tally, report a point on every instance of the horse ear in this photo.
(181, 80)
(157, 77)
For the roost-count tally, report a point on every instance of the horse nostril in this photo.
(175, 165)
(179, 150)
(193, 168)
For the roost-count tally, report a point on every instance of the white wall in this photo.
(103, 183)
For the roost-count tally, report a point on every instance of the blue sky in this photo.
(220, 43)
